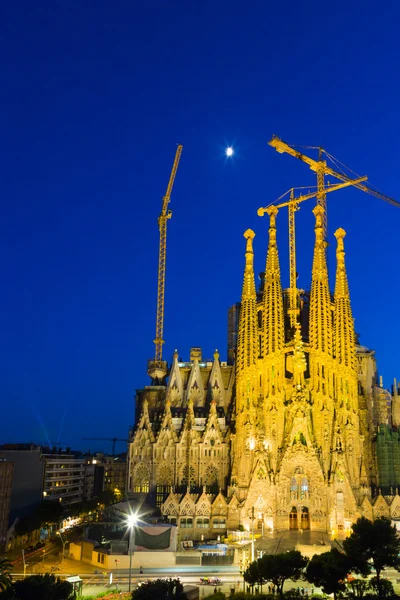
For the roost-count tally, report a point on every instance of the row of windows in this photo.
(142, 488)
(179, 453)
(202, 523)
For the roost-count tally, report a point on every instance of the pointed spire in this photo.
(273, 302)
(175, 384)
(344, 338)
(320, 300)
(247, 330)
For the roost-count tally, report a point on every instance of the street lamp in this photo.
(63, 543)
(131, 522)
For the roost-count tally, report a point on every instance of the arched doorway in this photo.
(305, 518)
(293, 524)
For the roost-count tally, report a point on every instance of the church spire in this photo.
(320, 300)
(247, 330)
(246, 367)
(274, 339)
(344, 339)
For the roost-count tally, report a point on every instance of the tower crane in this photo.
(321, 168)
(157, 369)
(293, 206)
(114, 440)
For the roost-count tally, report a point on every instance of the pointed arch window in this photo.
(294, 489)
(304, 488)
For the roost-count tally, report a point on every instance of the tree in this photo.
(39, 587)
(46, 513)
(277, 568)
(373, 544)
(252, 575)
(357, 588)
(5, 573)
(328, 571)
(162, 589)
(385, 588)
(106, 497)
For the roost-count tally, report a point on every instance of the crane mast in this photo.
(157, 368)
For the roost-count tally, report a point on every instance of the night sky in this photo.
(95, 96)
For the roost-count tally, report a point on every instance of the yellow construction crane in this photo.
(157, 369)
(293, 206)
(321, 168)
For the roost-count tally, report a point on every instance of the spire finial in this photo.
(249, 235)
(272, 211)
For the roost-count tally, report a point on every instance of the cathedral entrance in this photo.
(305, 518)
(293, 524)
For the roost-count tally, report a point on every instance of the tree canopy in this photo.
(373, 544)
(5, 573)
(328, 571)
(277, 568)
(39, 587)
(48, 512)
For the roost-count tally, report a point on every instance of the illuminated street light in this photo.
(229, 151)
(131, 522)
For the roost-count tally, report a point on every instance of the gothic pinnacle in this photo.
(320, 299)
(249, 235)
(273, 304)
(344, 339)
(247, 328)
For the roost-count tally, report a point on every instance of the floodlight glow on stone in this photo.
(229, 151)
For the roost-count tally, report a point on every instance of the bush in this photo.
(216, 596)
(108, 595)
(292, 594)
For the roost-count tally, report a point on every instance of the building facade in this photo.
(285, 438)
(28, 478)
(65, 478)
(6, 481)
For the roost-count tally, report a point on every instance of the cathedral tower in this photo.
(246, 371)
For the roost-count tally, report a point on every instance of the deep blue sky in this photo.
(95, 97)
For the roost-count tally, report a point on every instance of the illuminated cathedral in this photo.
(296, 434)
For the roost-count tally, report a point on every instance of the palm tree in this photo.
(5, 573)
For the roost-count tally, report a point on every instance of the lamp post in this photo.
(131, 524)
(63, 543)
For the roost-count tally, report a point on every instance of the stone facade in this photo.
(285, 438)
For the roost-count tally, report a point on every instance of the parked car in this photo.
(39, 545)
(30, 549)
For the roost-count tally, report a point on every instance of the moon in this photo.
(229, 151)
